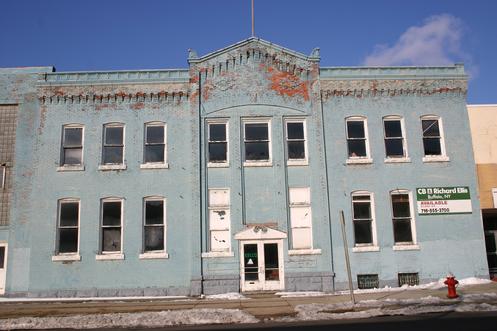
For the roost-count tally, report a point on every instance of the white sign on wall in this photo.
(443, 200)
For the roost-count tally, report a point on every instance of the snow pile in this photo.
(226, 296)
(300, 294)
(131, 320)
(390, 307)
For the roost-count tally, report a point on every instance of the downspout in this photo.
(327, 186)
(200, 181)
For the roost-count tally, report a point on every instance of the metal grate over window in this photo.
(368, 281)
(410, 279)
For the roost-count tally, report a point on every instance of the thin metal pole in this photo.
(253, 20)
(347, 260)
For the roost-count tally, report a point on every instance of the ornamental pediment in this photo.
(259, 232)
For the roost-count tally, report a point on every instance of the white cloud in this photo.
(436, 42)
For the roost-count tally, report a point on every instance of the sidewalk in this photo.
(264, 307)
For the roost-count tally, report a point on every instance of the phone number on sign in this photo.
(434, 210)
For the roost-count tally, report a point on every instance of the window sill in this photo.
(308, 251)
(153, 255)
(154, 166)
(406, 247)
(258, 164)
(292, 163)
(105, 167)
(218, 254)
(218, 165)
(105, 257)
(66, 257)
(365, 160)
(71, 168)
(436, 159)
(360, 249)
(398, 160)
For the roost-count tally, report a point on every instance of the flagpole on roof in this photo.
(253, 21)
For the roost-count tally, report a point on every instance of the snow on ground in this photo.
(226, 296)
(131, 320)
(79, 299)
(372, 308)
(300, 294)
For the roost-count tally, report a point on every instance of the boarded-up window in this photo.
(219, 220)
(111, 225)
(67, 226)
(301, 217)
(155, 143)
(154, 225)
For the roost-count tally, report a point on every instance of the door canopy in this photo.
(259, 232)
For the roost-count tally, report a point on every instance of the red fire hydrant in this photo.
(451, 283)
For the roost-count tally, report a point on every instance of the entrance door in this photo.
(3, 267)
(262, 265)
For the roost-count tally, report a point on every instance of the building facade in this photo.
(483, 121)
(231, 175)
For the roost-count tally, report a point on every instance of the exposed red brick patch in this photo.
(137, 106)
(286, 83)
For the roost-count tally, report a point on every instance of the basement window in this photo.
(410, 279)
(369, 281)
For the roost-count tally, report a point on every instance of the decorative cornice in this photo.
(114, 77)
(113, 98)
(393, 87)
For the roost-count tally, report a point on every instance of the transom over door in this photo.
(262, 265)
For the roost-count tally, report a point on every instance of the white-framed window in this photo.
(301, 217)
(404, 229)
(72, 145)
(257, 142)
(155, 147)
(296, 141)
(3, 175)
(356, 129)
(433, 139)
(394, 137)
(494, 196)
(363, 219)
(218, 145)
(113, 144)
(111, 220)
(219, 220)
(154, 225)
(68, 226)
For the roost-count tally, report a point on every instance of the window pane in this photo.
(492, 261)
(295, 130)
(271, 262)
(256, 131)
(490, 242)
(296, 150)
(72, 156)
(154, 238)
(217, 152)
(69, 214)
(251, 262)
(357, 148)
(113, 135)
(394, 147)
(362, 210)
(73, 137)
(256, 151)
(154, 153)
(355, 129)
(362, 232)
(432, 146)
(111, 239)
(402, 231)
(68, 240)
(430, 128)
(113, 155)
(217, 132)
(155, 134)
(361, 197)
(392, 129)
(111, 213)
(400, 205)
(2, 257)
(154, 212)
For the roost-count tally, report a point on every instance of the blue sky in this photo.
(156, 34)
